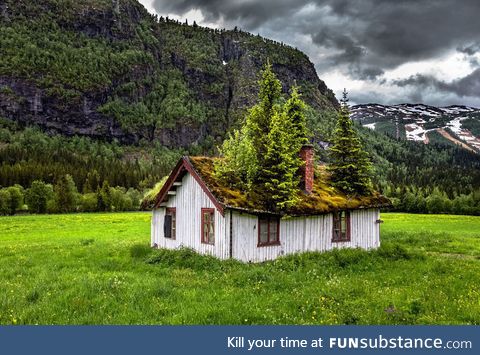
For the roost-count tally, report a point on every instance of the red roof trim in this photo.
(182, 166)
(168, 184)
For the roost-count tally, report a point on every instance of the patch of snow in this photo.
(370, 125)
(465, 135)
(224, 62)
(466, 138)
(456, 125)
(414, 132)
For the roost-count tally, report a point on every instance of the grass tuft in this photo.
(185, 258)
(395, 251)
(32, 296)
(86, 242)
(139, 251)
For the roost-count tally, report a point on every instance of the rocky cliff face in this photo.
(109, 70)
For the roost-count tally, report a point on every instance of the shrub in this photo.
(120, 200)
(89, 202)
(4, 198)
(37, 196)
(15, 200)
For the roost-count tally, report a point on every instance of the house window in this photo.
(268, 230)
(170, 223)
(341, 226)
(208, 225)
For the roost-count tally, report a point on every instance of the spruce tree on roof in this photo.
(260, 116)
(279, 179)
(295, 109)
(350, 166)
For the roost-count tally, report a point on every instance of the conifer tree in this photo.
(349, 164)
(295, 110)
(92, 182)
(104, 197)
(260, 116)
(279, 178)
(65, 194)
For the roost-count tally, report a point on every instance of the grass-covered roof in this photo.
(323, 199)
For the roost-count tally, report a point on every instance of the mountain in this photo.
(108, 69)
(458, 125)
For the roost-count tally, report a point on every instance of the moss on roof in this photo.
(323, 199)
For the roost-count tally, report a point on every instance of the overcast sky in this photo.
(383, 51)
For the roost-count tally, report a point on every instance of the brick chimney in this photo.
(307, 170)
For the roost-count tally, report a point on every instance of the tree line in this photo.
(63, 197)
(418, 200)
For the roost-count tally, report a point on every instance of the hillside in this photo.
(108, 69)
(458, 125)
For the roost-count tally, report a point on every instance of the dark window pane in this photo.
(167, 226)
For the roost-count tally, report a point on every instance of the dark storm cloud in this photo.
(367, 73)
(466, 86)
(469, 49)
(362, 39)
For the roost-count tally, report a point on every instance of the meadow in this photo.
(99, 269)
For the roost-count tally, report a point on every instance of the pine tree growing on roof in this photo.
(295, 110)
(349, 166)
(279, 178)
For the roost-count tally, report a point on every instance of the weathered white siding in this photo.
(299, 234)
(365, 229)
(189, 201)
(157, 225)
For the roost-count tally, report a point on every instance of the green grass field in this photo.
(98, 269)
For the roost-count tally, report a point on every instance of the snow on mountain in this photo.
(415, 132)
(417, 121)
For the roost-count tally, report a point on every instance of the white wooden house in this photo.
(194, 210)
